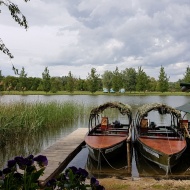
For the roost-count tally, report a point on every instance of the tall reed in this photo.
(19, 120)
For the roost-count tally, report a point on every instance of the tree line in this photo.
(128, 79)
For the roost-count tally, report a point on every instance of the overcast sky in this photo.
(77, 35)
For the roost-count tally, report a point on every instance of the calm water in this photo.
(140, 167)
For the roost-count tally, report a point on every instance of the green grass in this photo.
(96, 93)
(20, 120)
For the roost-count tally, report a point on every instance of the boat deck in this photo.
(166, 146)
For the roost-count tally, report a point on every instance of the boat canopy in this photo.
(124, 109)
(184, 108)
(161, 108)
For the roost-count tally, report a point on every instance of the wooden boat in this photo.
(105, 139)
(185, 124)
(162, 144)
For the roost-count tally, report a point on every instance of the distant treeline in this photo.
(128, 79)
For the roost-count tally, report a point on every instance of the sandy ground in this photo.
(144, 183)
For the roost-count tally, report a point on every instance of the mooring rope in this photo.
(125, 167)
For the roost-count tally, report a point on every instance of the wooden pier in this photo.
(61, 153)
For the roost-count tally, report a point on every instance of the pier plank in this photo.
(61, 152)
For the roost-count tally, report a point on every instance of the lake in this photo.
(34, 146)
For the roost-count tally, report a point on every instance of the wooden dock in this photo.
(61, 153)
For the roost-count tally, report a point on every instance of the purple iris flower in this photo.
(94, 181)
(30, 157)
(41, 160)
(19, 159)
(82, 172)
(23, 162)
(6, 171)
(72, 168)
(11, 163)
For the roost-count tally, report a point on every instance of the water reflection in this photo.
(39, 141)
(149, 169)
(34, 143)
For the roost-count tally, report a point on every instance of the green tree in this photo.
(81, 84)
(152, 84)
(70, 83)
(22, 80)
(163, 81)
(117, 80)
(107, 78)
(33, 83)
(93, 79)
(142, 80)
(1, 81)
(17, 16)
(55, 84)
(46, 80)
(129, 79)
(10, 83)
(187, 75)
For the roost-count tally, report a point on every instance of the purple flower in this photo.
(19, 159)
(82, 172)
(73, 168)
(23, 162)
(6, 171)
(11, 163)
(94, 181)
(41, 160)
(30, 157)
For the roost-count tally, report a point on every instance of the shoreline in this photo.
(140, 183)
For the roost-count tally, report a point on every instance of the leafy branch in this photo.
(17, 16)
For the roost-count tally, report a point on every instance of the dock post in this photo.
(128, 156)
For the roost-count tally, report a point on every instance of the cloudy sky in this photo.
(77, 35)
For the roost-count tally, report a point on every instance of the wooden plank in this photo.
(61, 153)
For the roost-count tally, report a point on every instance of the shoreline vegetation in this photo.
(133, 93)
(20, 120)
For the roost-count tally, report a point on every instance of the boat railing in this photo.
(160, 137)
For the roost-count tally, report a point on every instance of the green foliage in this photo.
(117, 82)
(46, 80)
(70, 83)
(93, 80)
(107, 78)
(129, 79)
(20, 120)
(142, 80)
(163, 81)
(23, 174)
(17, 16)
(187, 75)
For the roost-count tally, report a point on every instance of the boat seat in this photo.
(144, 123)
(104, 123)
(144, 126)
(183, 124)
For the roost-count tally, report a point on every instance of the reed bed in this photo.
(21, 120)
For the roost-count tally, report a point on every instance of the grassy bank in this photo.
(96, 93)
(19, 120)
